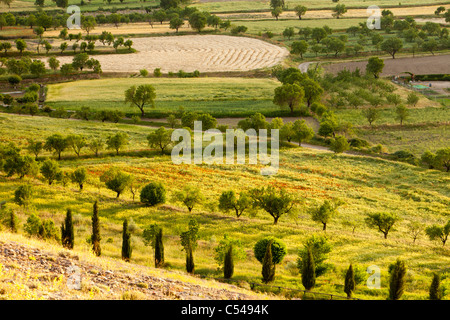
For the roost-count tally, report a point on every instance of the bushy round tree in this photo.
(152, 194)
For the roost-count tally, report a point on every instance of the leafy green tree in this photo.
(320, 248)
(67, 232)
(339, 10)
(435, 288)
(208, 121)
(116, 180)
(160, 138)
(198, 21)
(276, 12)
(35, 147)
(383, 221)
(302, 132)
(96, 145)
(274, 203)
(412, 99)
(392, 46)
(299, 47)
(440, 233)
(313, 91)
(289, 32)
(430, 45)
(442, 159)
(176, 23)
(228, 201)
(339, 144)
(140, 96)
(20, 165)
(375, 66)
(153, 193)
(308, 271)
(189, 196)
(53, 63)
(79, 62)
(371, 114)
(117, 142)
(21, 45)
(318, 34)
(76, 142)
(23, 195)
(402, 113)
(95, 237)
(153, 237)
(350, 283)
(50, 170)
(79, 176)
(126, 242)
(336, 45)
(300, 11)
(397, 280)
(290, 95)
(325, 212)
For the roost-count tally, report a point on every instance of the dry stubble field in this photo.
(205, 53)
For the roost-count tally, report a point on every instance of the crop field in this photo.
(234, 6)
(367, 184)
(204, 53)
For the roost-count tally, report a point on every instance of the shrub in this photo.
(152, 194)
(23, 195)
(278, 249)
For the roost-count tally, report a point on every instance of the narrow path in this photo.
(304, 66)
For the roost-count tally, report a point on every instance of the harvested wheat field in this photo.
(205, 53)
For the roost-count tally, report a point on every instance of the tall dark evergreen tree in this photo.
(268, 267)
(435, 288)
(397, 280)
(12, 222)
(309, 271)
(159, 249)
(190, 266)
(67, 233)
(126, 242)
(96, 231)
(228, 264)
(350, 284)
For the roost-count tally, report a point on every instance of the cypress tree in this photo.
(190, 266)
(126, 242)
(67, 234)
(435, 288)
(12, 223)
(268, 268)
(309, 271)
(350, 284)
(397, 280)
(228, 264)
(96, 231)
(159, 249)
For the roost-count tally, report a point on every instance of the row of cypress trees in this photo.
(397, 271)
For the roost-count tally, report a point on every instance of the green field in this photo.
(218, 96)
(367, 185)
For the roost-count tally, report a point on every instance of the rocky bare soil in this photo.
(31, 273)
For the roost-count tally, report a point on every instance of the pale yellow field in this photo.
(205, 53)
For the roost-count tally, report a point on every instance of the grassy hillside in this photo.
(366, 184)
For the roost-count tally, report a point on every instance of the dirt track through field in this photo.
(205, 53)
(418, 65)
